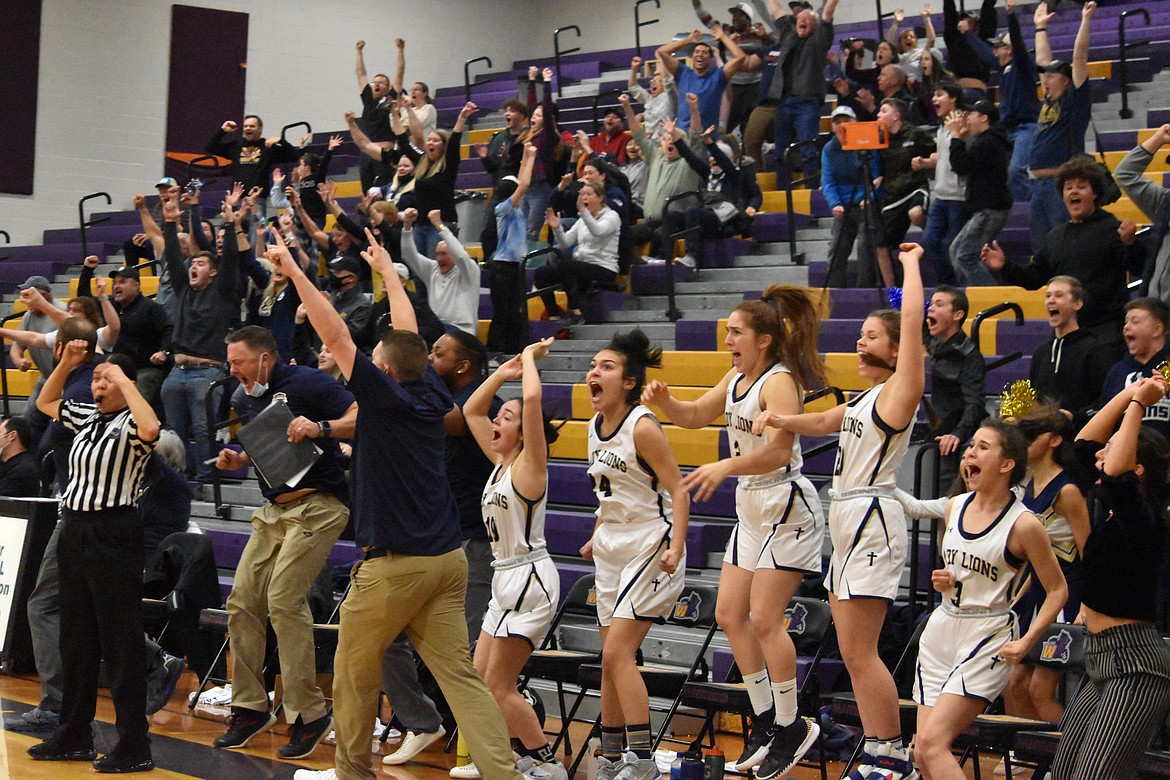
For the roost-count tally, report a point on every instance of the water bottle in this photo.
(713, 767)
(676, 767)
(692, 767)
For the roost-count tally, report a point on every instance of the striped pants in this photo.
(1119, 706)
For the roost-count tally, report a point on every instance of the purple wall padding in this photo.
(20, 58)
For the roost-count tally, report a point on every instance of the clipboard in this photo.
(265, 439)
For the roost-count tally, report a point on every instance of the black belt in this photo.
(376, 552)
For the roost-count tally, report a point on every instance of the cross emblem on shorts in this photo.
(655, 582)
(872, 556)
(799, 531)
(995, 659)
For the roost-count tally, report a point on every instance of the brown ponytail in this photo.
(788, 315)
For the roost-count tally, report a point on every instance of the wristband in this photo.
(1139, 403)
(1041, 29)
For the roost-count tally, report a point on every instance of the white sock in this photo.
(785, 695)
(759, 690)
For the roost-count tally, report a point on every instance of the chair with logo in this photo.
(809, 624)
(694, 610)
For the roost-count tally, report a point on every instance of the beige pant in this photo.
(422, 595)
(288, 547)
(758, 130)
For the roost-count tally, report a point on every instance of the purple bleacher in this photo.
(344, 554)
(1010, 337)
(1156, 117)
(111, 218)
(58, 255)
(569, 573)
(227, 546)
(472, 176)
(110, 234)
(557, 399)
(696, 334)
(597, 306)
(773, 226)
(651, 279)
(569, 484)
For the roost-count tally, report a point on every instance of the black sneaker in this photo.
(52, 750)
(243, 725)
(303, 738)
(161, 683)
(755, 747)
(115, 763)
(789, 746)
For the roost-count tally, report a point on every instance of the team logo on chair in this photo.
(794, 619)
(1057, 648)
(591, 600)
(687, 608)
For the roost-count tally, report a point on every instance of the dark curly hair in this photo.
(635, 347)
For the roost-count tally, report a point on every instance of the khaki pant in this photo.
(288, 547)
(422, 595)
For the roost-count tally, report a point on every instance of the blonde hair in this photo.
(426, 167)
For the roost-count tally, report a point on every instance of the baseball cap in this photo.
(1002, 40)
(1058, 66)
(39, 282)
(167, 181)
(129, 271)
(843, 111)
(344, 264)
(988, 109)
(801, 4)
(746, 9)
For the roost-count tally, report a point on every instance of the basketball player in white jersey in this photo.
(866, 521)
(638, 543)
(970, 643)
(778, 539)
(525, 586)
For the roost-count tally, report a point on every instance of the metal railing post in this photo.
(286, 128)
(639, 24)
(558, 52)
(7, 240)
(92, 222)
(1126, 112)
(212, 429)
(523, 282)
(467, 74)
(785, 165)
(597, 105)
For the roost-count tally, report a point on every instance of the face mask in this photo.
(335, 282)
(258, 388)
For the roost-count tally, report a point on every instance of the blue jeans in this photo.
(184, 395)
(1021, 138)
(534, 202)
(982, 227)
(943, 222)
(426, 238)
(1048, 210)
(797, 119)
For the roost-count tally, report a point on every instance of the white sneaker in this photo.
(214, 697)
(687, 260)
(635, 768)
(412, 745)
(548, 770)
(648, 260)
(466, 772)
(315, 774)
(608, 770)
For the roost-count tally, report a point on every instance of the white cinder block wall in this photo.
(101, 114)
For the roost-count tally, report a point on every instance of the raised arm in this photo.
(330, 328)
(49, 401)
(172, 252)
(892, 32)
(828, 10)
(421, 266)
(360, 66)
(399, 65)
(145, 420)
(461, 122)
(1080, 59)
(532, 478)
(738, 60)
(1042, 17)
(899, 403)
(632, 120)
(525, 176)
(360, 139)
(665, 52)
(149, 226)
(928, 23)
(688, 414)
(113, 321)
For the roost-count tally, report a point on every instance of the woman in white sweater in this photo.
(593, 244)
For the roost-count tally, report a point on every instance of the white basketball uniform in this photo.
(866, 521)
(635, 530)
(525, 586)
(781, 525)
(959, 650)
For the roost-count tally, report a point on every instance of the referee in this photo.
(100, 550)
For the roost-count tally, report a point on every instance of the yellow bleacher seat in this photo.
(481, 135)
(1101, 70)
(536, 305)
(20, 383)
(347, 189)
(690, 447)
(778, 201)
(149, 285)
(1124, 207)
(475, 252)
(1158, 164)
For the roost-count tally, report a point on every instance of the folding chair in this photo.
(809, 624)
(552, 662)
(695, 609)
(1061, 650)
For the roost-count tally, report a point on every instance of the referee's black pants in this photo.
(101, 559)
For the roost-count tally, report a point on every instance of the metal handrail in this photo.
(639, 24)
(523, 282)
(212, 428)
(1126, 112)
(999, 308)
(467, 74)
(7, 240)
(92, 222)
(558, 52)
(786, 163)
(214, 168)
(308, 129)
(915, 524)
(597, 105)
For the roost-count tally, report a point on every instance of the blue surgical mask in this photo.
(258, 388)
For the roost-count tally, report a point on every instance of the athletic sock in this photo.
(638, 739)
(612, 741)
(786, 708)
(543, 754)
(759, 690)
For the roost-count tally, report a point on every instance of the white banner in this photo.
(12, 535)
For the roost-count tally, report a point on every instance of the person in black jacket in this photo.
(19, 475)
(963, 58)
(1091, 247)
(1068, 368)
(252, 156)
(985, 164)
(1146, 323)
(956, 377)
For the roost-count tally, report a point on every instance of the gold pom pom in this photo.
(1164, 369)
(1018, 399)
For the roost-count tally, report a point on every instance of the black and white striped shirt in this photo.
(107, 459)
